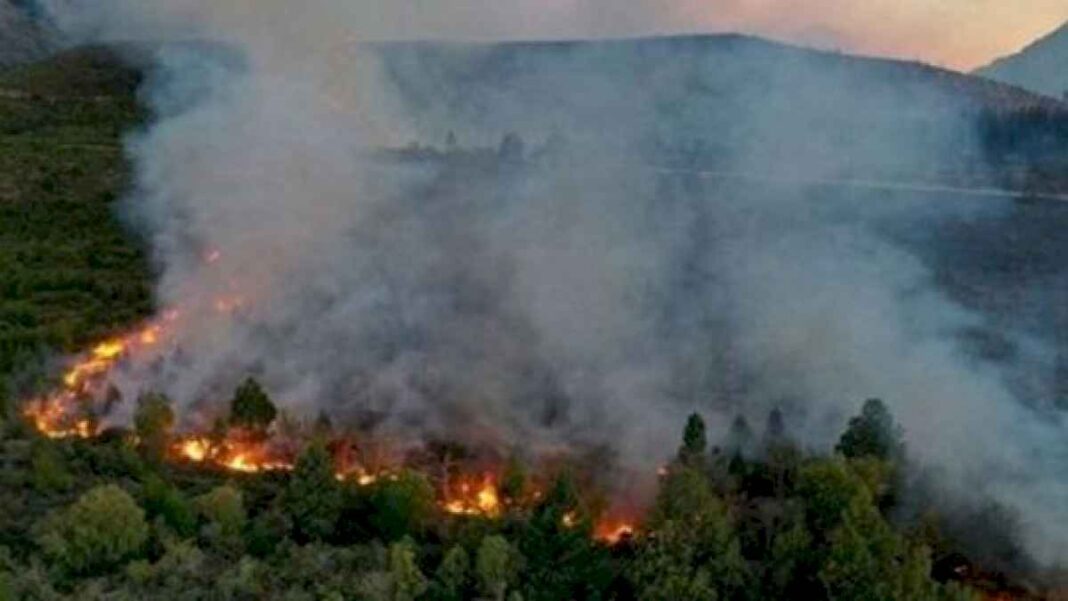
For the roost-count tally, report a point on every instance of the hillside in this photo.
(1041, 66)
(70, 273)
(734, 102)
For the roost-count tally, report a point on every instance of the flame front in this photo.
(479, 497)
(65, 414)
(613, 532)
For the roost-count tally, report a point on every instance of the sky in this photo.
(959, 34)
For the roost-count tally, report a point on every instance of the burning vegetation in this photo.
(705, 498)
(248, 441)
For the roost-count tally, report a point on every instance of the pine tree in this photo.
(312, 498)
(694, 449)
(251, 408)
(873, 433)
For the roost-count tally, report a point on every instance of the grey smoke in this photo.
(588, 298)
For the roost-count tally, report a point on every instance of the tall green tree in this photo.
(312, 498)
(408, 581)
(452, 575)
(497, 565)
(251, 408)
(691, 549)
(694, 449)
(873, 433)
(562, 562)
(153, 421)
(402, 506)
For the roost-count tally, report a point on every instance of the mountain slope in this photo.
(1041, 67)
(730, 102)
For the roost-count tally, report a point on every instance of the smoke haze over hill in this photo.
(581, 298)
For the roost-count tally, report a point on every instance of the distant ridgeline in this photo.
(740, 104)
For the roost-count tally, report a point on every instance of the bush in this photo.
(100, 531)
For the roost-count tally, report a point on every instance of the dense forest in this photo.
(116, 517)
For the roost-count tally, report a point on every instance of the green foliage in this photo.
(69, 272)
(312, 498)
(560, 560)
(267, 532)
(224, 508)
(873, 433)
(402, 505)
(251, 408)
(452, 576)
(694, 449)
(497, 566)
(102, 529)
(167, 502)
(50, 473)
(153, 421)
(222, 511)
(408, 582)
(829, 487)
(691, 550)
(513, 480)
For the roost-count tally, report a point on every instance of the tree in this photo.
(223, 506)
(513, 480)
(50, 473)
(512, 149)
(402, 505)
(408, 582)
(153, 422)
(102, 529)
(694, 449)
(497, 565)
(774, 429)
(312, 498)
(827, 487)
(167, 502)
(873, 433)
(451, 577)
(691, 549)
(740, 439)
(251, 408)
(561, 560)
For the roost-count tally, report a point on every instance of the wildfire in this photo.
(53, 419)
(235, 454)
(63, 415)
(613, 532)
(69, 413)
(474, 497)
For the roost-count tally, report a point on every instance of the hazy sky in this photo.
(957, 33)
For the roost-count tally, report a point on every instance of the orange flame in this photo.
(468, 497)
(613, 532)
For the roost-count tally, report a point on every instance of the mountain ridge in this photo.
(1041, 66)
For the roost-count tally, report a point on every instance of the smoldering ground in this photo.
(596, 289)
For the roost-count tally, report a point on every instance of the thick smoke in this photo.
(590, 295)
